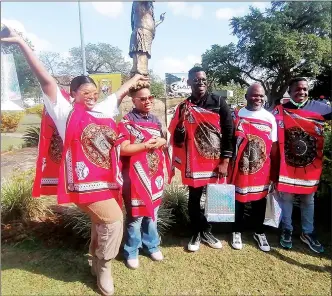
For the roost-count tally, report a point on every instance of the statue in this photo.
(143, 27)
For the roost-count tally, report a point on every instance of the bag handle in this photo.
(225, 180)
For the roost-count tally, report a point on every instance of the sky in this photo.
(189, 29)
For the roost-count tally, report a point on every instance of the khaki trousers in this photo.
(106, 228)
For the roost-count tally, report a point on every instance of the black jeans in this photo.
(258, 215)
(197, 219)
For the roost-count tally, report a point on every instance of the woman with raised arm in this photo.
(88, 173)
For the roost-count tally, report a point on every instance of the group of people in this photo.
(86, 158)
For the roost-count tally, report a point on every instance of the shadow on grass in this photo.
(60, 264)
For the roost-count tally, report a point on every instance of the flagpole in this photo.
(82, 39)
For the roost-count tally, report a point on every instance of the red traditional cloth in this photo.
(250, 169)
(89, 170)
(199, 156)
(301, 142)
(50, 149)
(146, 170)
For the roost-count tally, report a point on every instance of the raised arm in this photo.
(124, 89)
(47, 82)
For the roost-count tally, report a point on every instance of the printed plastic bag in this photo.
(220, 203)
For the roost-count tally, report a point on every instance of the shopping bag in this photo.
(220, 203)
(273, 209)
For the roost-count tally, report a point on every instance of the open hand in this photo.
(8, 35)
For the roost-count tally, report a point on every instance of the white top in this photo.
(264, 115)
(60, 110)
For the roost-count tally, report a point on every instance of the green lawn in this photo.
(29, 268)
(8, 143)
(27, 121)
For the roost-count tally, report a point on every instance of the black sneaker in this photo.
(286, 239)
(194, 242)
(212, 241)
(262, 242)
(311, 240)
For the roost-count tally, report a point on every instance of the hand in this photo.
(184, 113)
(137, 78)
(150, 144)
(223, 168)
(160, 142)
(8, 35)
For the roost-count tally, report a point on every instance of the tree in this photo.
(323, 84)
(101, 57)
(287, 40)
(157, 85)
(238, 92)
(29, 85)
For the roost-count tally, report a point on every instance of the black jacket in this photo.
(218, 105)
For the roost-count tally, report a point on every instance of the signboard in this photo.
(176, 85)
(106, 83)
(10, 88)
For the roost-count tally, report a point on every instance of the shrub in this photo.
(17, 202)
(323, 201)
(176, 200)
(31, 136)
(10, 120)
(37, 109)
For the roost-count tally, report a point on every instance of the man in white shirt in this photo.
(256, 147)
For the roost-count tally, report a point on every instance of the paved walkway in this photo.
(22, 159)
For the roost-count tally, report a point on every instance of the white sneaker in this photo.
(195, 242)
(157, 256)
(262, 242)
(237, 241)
(133, 263)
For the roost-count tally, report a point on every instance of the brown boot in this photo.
(104, 277)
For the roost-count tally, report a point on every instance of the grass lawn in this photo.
(7, 142)
(29, 268)
(27, 121)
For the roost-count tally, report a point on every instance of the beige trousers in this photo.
(106, 228)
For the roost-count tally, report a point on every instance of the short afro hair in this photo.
(295, 80)
(194, 70)
(140, 85)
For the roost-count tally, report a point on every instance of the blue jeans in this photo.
(307, 210)
(141, 232)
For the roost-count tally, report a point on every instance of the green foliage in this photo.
(37, 109)
(176, 199)
(31, 136)
(17, 202)
(238, 92)
(157, 89)
(101, 57)
(290, 39)
(325, 188)
(10, 120)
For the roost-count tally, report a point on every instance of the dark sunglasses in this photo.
(200, 80)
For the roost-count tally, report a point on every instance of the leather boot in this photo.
(104, 277)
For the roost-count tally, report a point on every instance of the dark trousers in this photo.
(257, 214)
(197, 219)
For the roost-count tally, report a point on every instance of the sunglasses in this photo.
(145, 99)
(200, 80)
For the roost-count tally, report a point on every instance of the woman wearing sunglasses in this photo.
(85, 154)
(143, 161)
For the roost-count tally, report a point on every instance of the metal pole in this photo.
(82, 40)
